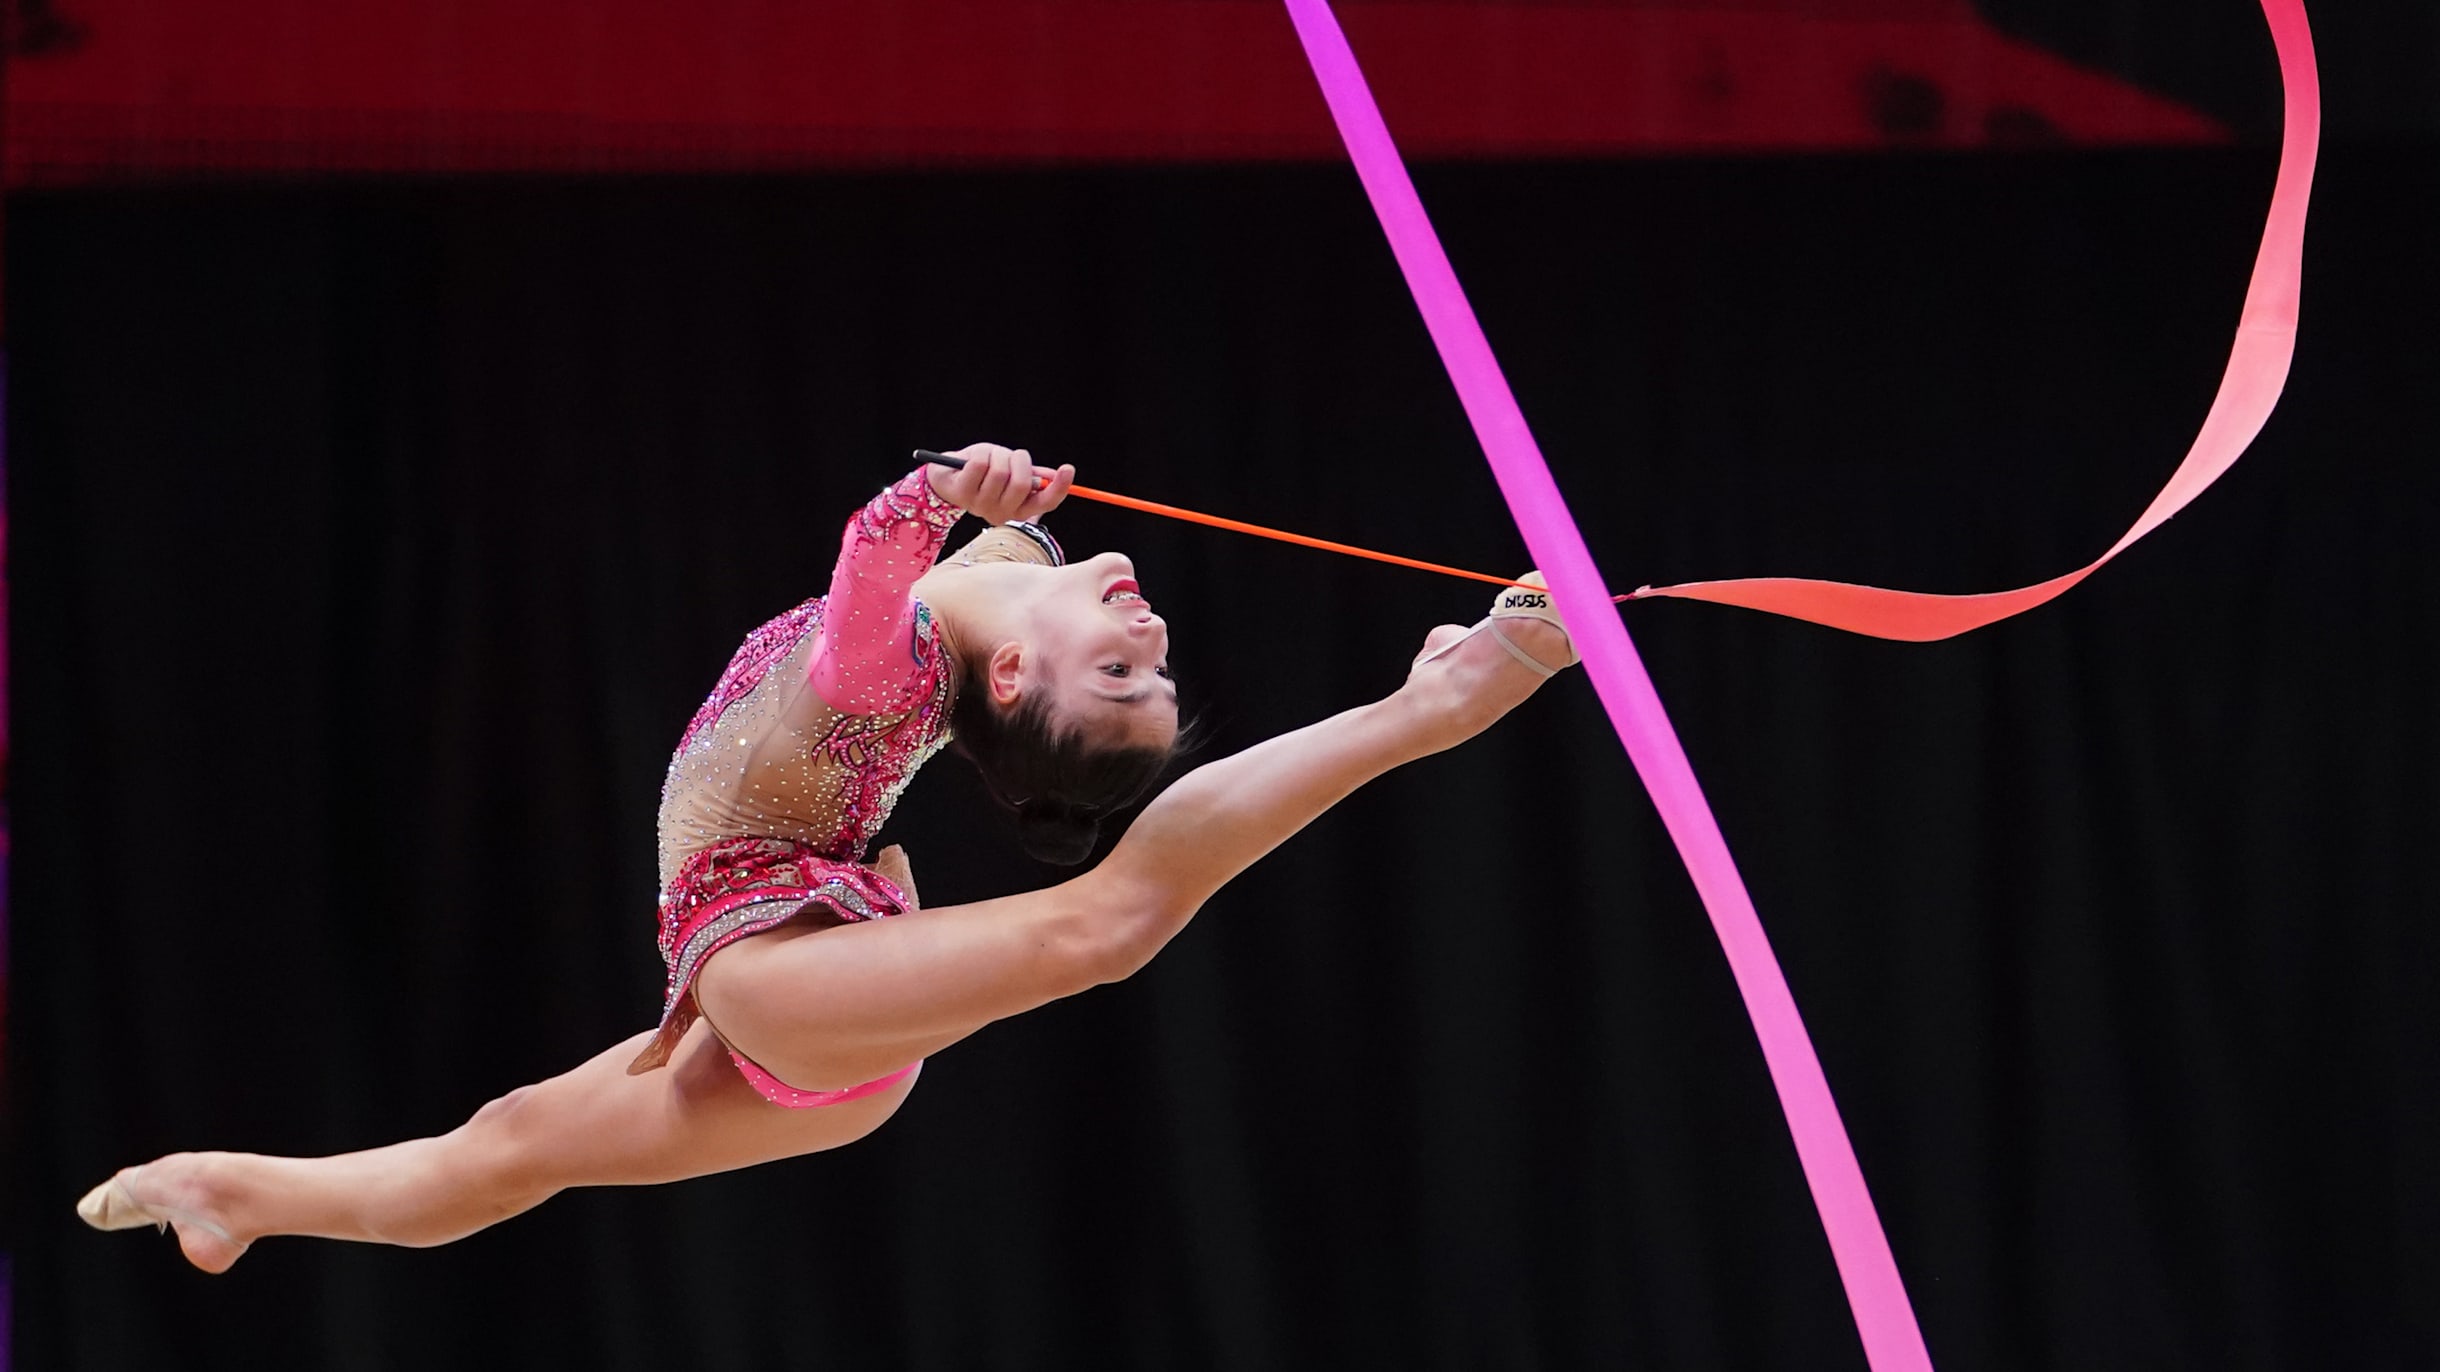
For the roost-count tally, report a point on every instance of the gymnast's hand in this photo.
(1000, 484)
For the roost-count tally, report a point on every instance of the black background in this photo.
(373, 544)
(2378, 58)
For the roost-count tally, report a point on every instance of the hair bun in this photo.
(1056, 833)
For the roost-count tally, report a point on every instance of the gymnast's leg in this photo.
(593, 1126)
(824, 1008)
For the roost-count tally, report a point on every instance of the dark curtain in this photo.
(374, 543)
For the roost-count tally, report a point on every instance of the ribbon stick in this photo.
(1883, 1316)
(1154, 507)
(1240, 526)
(2257, 372)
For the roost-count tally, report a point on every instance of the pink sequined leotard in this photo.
(789, 769)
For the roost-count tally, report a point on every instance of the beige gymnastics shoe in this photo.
(1529, 601)
(113, 1205)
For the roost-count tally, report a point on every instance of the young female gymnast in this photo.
(791, 983)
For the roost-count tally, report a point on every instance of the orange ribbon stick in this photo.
(1239, 526)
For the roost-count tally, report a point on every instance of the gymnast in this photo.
(800, 1004)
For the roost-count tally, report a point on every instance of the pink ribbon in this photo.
(2257, 370)
(1884, 1317)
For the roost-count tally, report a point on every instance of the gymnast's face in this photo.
(1089, 637)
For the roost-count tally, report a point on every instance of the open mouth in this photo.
(1123, 592)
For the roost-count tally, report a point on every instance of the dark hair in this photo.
(1059, 783)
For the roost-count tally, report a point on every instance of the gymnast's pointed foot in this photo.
(174, 1191)
(1473, 677)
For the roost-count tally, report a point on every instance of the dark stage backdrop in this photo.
(373, 544)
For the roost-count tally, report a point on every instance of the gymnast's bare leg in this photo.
(824, 1007)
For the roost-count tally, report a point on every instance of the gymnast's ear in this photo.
(1001, 671)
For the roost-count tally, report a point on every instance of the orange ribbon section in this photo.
(2257, 371)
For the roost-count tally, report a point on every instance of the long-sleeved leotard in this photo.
(789, 768)
(826, 711)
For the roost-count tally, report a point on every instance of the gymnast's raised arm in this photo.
(865, 662)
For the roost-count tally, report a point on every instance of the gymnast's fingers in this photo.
(1030, 480)
(1021, 481)
(968, 487)
(989, 463)
(1047, 499)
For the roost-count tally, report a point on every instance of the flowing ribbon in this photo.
(2257, 370)
(1883, 1315)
